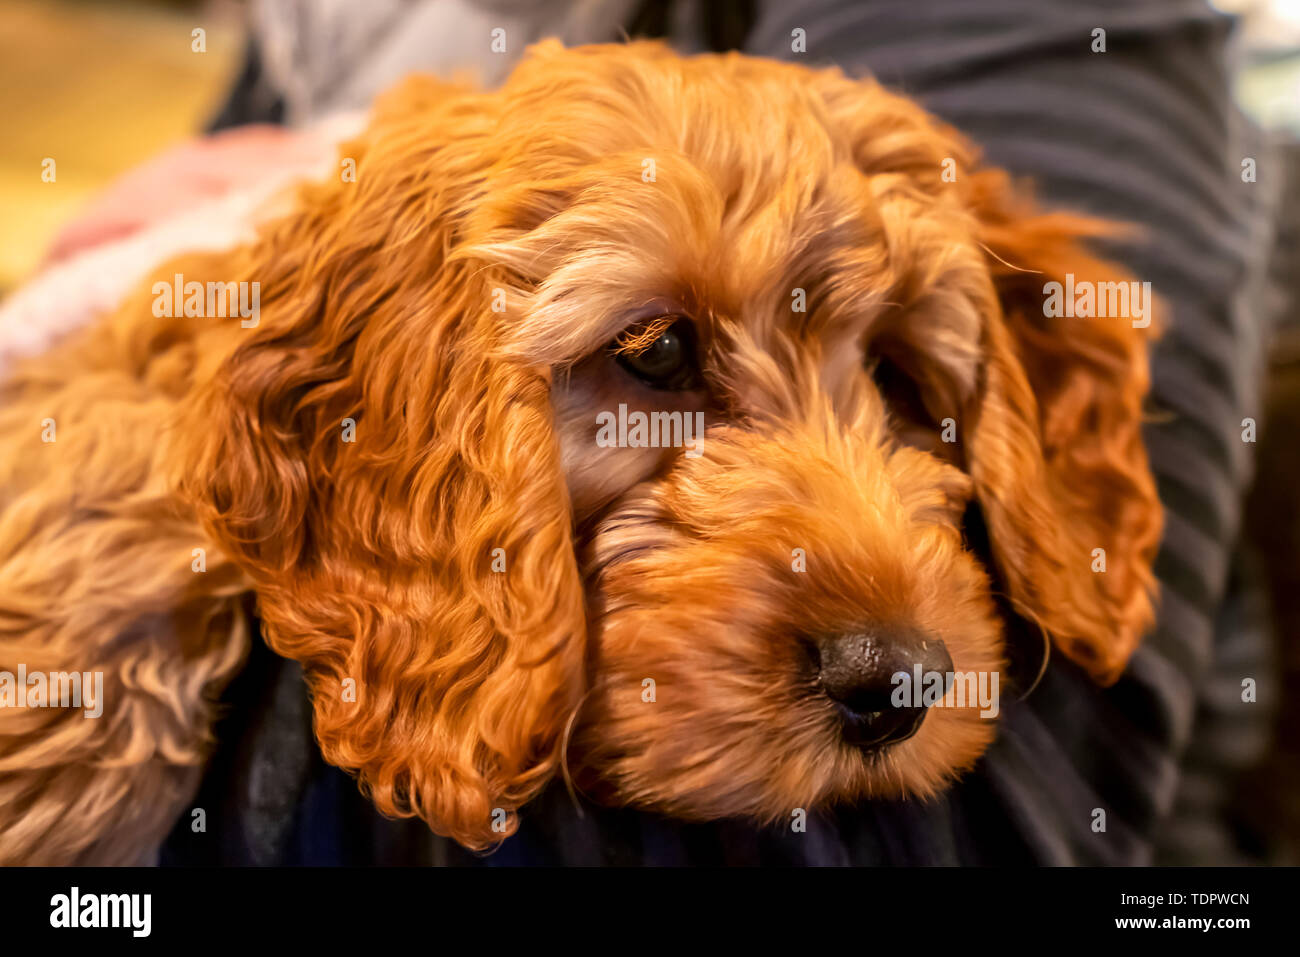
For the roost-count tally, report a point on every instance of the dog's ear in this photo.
(1055, 449)
(391, 483)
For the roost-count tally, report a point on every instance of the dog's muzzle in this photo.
(857, 672)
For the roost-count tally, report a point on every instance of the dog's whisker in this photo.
(1042, 668)
(570, 724)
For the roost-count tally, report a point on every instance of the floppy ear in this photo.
(392, 485)
(1055, 452)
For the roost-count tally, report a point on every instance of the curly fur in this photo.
(447, 686)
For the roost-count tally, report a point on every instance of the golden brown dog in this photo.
(401, 461)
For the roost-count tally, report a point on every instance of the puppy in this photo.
(409, 457)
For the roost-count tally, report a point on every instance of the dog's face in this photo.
(707, 623)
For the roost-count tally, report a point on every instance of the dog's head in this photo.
(461, 455)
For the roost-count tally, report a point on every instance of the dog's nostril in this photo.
(857, 672)
(813, 654)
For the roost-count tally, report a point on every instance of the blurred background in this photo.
(105, 84)
(101, 86)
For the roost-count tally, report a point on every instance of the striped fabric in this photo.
(1143, 132)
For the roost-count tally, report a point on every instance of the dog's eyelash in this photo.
(639, 338)
(661, 354)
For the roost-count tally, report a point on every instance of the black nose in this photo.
(857, 672)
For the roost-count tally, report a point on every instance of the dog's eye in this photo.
(663, 356)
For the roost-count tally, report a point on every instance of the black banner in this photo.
(914, 907)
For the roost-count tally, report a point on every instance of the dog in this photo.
(397, 456)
